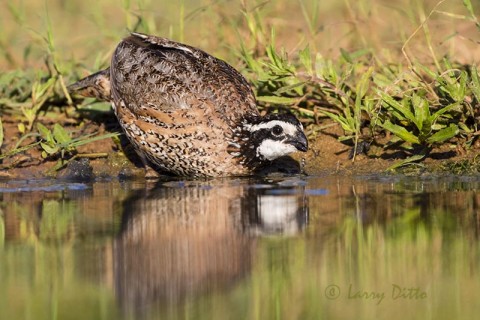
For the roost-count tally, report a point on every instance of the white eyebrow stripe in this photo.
(289, 128)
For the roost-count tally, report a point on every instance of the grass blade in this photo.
(1, 133)
(409, 160)
(397, 106)
(400, 132)
(468, 5)
(306, 59)
(278, 100)
(475, 84)
(60, 134)
(444, 134)
(81, 141)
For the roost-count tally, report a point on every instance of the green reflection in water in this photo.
(320, 248)
(47, 236)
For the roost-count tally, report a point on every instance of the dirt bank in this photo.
(112, 158)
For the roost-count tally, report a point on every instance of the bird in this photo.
(189, 113)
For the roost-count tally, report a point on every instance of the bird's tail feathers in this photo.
(96, 85)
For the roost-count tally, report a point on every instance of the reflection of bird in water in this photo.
(176, 243)
(189, 113)
(268, 212)
(180, 242)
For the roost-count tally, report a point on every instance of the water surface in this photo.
(272, 248)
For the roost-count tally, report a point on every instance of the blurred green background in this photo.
(84, 33)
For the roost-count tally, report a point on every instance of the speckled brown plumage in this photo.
(188, 112)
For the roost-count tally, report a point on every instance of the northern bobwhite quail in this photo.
(188, 112)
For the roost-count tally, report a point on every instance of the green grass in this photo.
(400, 76)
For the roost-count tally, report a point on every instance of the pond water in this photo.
(385, 247)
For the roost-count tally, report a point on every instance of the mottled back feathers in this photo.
(148, 69)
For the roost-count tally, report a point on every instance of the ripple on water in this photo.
(26, 186)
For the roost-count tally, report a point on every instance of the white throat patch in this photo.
(272, 149)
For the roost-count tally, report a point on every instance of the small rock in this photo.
(77, 170)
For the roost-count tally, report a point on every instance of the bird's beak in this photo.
(300, 142)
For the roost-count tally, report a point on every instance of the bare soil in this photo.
(109, 159)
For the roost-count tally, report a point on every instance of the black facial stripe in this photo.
(260, 135)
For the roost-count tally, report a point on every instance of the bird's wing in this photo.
(149, 72)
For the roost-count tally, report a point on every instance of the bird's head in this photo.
(275, 136)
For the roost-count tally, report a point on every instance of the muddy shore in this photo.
(114, 158)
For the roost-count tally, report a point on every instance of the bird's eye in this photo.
(277, 130)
